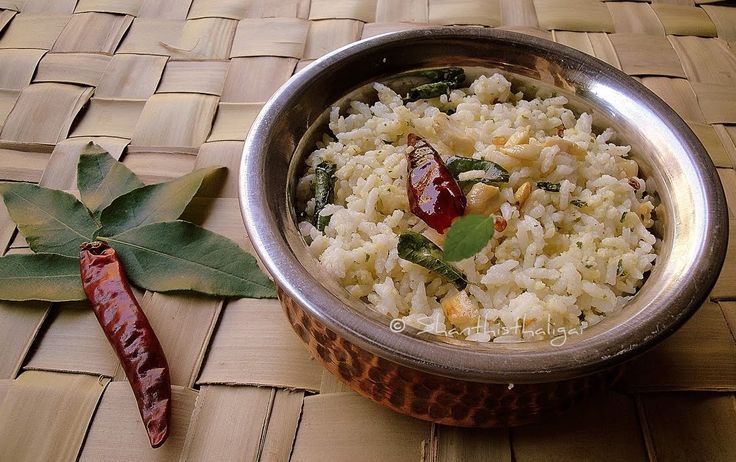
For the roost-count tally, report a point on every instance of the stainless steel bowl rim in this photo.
(523, 364)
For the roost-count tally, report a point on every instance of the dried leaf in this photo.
(152, 204)
(177, 255)
(51, 221)
(101, 178)
(42, 276)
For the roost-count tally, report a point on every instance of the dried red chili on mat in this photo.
(434, 196)
(130, 334)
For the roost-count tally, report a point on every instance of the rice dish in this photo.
(566, 255)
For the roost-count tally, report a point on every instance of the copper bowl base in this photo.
(435, 398)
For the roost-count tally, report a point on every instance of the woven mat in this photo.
(172, 85)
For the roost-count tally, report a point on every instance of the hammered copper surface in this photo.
(431, 397)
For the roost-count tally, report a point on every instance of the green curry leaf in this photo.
(467, 236)
(419, 250)
(547, 186)
(494, 173)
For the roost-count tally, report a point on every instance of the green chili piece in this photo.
(428, 90)
(418, 249)
(579, 203)
(452, 75)
(324, 190)
(441, 81)
(551, 187)
(494, 172)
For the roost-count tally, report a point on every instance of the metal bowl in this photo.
(357, 344)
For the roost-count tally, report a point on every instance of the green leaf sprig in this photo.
(547, 186)
(441, 82)
(159, 252)
(494, 175)
(419, 250)
(467, 236)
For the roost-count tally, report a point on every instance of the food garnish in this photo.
(428, 90)
(453, 75)
(578, 203)
(417, 249)
(494, 173)
(467, 236)
(441, 81)
(434, 196)
(324, 191)
(551, 187)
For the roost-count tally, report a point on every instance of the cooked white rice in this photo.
(555, 268)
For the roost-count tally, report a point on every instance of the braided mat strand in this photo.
(172, 85)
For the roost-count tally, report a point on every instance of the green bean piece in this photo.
(441, 81)
(324, 190)
(494, 173)
(551, 187)
(418, 249)
(579, 203)
(452, 75)
(428, 90)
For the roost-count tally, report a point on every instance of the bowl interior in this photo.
(668, 153)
